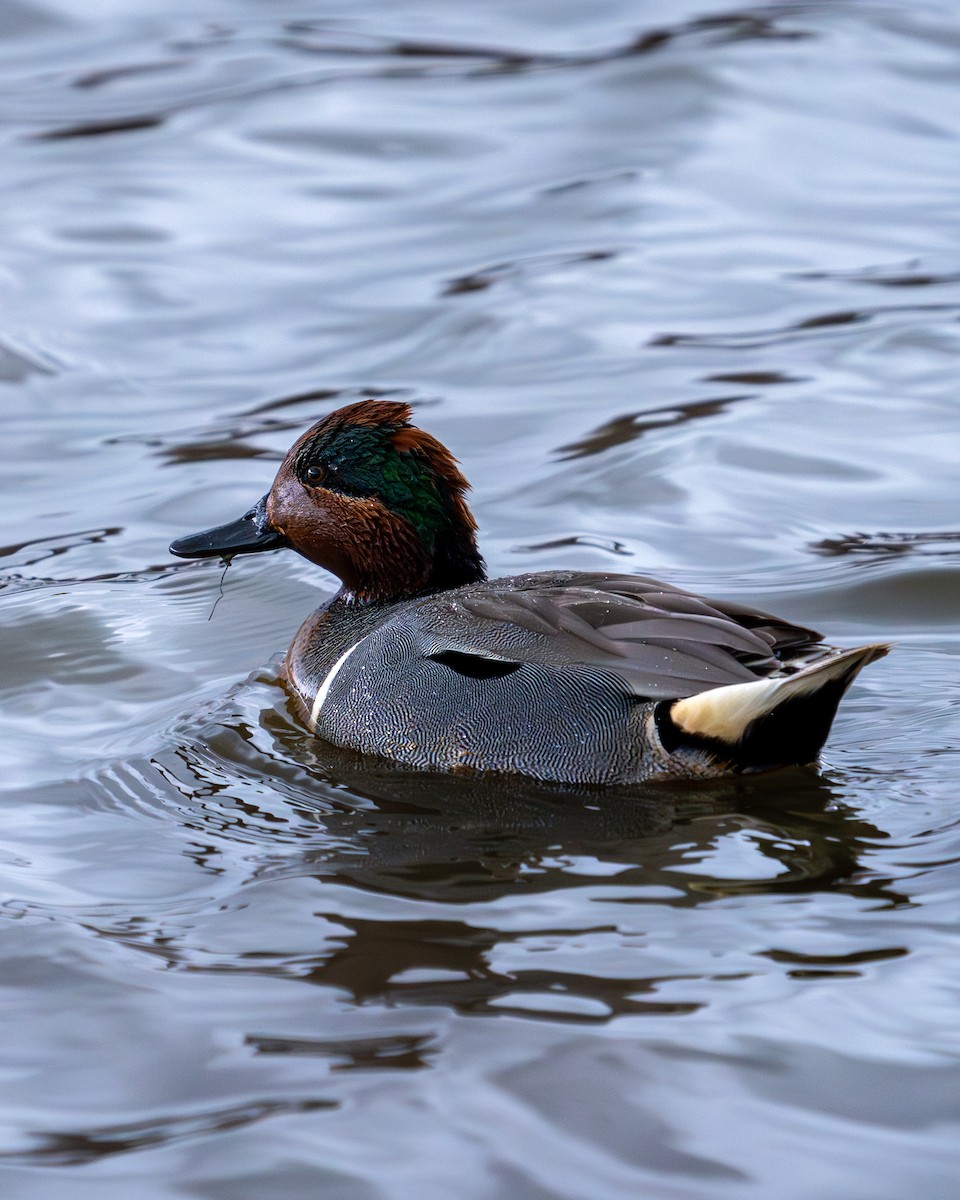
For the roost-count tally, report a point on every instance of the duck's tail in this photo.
(767, 723)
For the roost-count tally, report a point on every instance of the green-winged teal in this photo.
(564, 675)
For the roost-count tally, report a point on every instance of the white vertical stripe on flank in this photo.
(324, 689)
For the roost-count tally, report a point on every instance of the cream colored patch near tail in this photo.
(725, 713)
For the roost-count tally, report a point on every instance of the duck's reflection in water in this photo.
(472, 891)
(469, 838)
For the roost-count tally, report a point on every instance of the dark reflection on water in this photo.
(39, 549)
(881, 545)
(496, 835)
(623, 260)
(314, 39)
(906, 276)
(93, 1145)
(754, 339)
(99, 128)
(478, 281)
(465, 842)
(623, 430)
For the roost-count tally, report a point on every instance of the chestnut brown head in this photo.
(369, 497)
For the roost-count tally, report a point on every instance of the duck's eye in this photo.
(313, 474)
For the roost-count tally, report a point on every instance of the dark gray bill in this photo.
(250, 535)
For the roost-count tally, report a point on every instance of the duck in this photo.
(564, 676)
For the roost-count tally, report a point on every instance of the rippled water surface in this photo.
(680, 285)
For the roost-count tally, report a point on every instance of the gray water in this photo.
(680, 285)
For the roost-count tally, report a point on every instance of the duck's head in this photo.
(367, 496)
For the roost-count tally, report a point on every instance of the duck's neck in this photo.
(456, 561)
(393, 573)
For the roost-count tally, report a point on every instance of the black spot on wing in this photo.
(475, 666)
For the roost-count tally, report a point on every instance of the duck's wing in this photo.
(660, 641)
